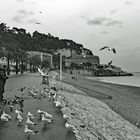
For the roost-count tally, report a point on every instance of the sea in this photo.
(123, 80)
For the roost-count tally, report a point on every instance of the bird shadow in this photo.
(45, 128)
(70, 135)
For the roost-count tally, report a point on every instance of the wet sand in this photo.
(123, 99)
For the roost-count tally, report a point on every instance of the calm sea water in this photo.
(124, 80)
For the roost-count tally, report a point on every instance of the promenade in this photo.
(10, 130)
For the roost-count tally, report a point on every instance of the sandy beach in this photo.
(98, 110)
(123, 99)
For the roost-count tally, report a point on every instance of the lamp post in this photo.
(61, 70)
(60, 76)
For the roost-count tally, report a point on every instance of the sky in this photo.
(92, 23)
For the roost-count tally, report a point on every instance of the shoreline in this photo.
(107, 81)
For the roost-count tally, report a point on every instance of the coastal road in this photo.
(10, 130)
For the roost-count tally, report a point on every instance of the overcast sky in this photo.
(93, 23)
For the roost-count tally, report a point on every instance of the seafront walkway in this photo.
(12, 130)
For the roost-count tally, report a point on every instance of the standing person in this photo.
(2, 81)
(5, 69)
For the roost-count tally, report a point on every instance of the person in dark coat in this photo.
(2, 81)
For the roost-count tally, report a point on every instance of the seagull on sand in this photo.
(110, 49)
(69, 127)
(58, 104)
(66, 117)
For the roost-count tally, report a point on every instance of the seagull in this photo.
(29, 131)
(69, 127)
(5, 117)
(45, 113)
(19, 118)
(110, 49)
(46, 120)
(41, 72)
(22, 89)
(54, 96)
(11, 108)
(109, 63)
(66, 117)
(40, 111)
(28, 121)
(58, 104)
(17, 111)
(32, 93)
(30, 115)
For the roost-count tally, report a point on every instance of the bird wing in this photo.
(41, 72)
(104, 47)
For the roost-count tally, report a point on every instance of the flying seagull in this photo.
(109, 63)
(110, 49)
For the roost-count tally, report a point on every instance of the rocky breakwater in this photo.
(93, 119)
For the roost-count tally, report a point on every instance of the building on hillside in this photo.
(43, 56)
(65, 52)
(70, 56)
(79, 59)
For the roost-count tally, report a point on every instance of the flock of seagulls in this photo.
(42, 115)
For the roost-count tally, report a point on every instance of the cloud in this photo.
(22, 15)
(33, 2)
(113, 11)
(24, 12)
(18, 18)
(20, 1)
(97, 21)
(104, 32)
(102, 21)
(114, 22)
(128, 2)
